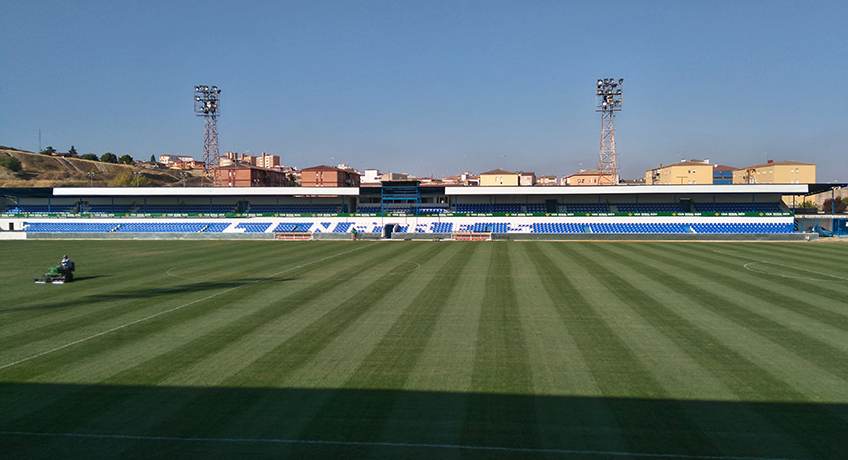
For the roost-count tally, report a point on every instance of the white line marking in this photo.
(168, 273)
(170, 310)
(749, 266)
(415, 445)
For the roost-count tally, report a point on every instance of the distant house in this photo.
(499, 177)
(589, 177)
(268, 161)
(776, 172)
(182, 162)
(688, 172)
(547, 180)
(723, 174)
(249, 176)
(328, 176)
(526, 179)
(371, 176)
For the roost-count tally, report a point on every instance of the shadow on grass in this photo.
(95, 421)
(141, 293)
(79, 279)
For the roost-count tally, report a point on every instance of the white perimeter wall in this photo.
(318, 223)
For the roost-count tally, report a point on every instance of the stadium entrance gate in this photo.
(388, 229)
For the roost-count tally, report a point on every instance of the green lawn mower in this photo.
(58, 274)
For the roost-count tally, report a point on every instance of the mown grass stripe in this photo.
(807, 252)
(721, 271)
(608, 362)
(389, 363)
(42, 316)
(92, 257)
(147, 293)
(161, 366)
(812, 349)
(215, 293)
(567, 408)
(295, 351)
(156, 368)
(501, 362)
(811, 264)
(805, 428)
(827, 286)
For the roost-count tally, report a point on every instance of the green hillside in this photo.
(39, 170)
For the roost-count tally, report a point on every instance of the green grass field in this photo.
(425, 350)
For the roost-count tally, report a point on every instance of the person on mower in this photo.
(67, 264)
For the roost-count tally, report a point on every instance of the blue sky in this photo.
(433, 87)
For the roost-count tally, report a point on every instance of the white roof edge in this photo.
(786, 189)
(205, 191)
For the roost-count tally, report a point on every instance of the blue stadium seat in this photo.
(69, 227)
(441, 227)
(187, 209)
(109, 208)
(589, 208)
(293, 227)
(41, 209)
(163, 227)
(217, 227)
(254, 227)
(342, 227)
(649, 208)
(739, 208)
(294, 209)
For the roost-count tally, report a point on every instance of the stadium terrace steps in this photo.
(129, 227)
(293, 209)
(61, 227)
(253, 227)
(738, 208)
(461, 208)
(514, 226)
(342, 227)
(287, 227)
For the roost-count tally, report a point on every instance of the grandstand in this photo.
(407, 211)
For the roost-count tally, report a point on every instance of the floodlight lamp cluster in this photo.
(609, 93)
(206, 100)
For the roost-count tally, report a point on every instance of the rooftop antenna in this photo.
(609, 94)
(207, 104)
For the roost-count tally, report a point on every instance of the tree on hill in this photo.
(109, 157)
(837, 205)
(48, 151)
(72, 151)
(129, 179)
(90, 156)
(10, 163)
(152, 159)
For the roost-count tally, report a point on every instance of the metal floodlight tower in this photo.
(609, 94)
(207, 104)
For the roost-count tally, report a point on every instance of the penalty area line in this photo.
(165, 312)
(409, 445)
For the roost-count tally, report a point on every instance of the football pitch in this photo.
(175, 349)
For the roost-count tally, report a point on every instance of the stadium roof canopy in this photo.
(205, 191)
(783, 189)
(815, 189)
